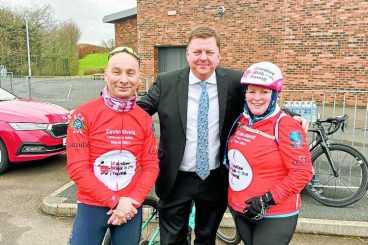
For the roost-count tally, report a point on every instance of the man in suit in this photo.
(175, 97)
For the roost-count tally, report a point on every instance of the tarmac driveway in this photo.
(22, 222)
(21, 191)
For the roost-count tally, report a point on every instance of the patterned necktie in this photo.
(202, 167)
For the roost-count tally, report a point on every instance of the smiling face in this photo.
(258, 99)
(203, 56)
(122, 75)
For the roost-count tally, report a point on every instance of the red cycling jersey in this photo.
(111, 154)
(260, 163)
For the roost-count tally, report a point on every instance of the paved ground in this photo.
(22, 190)
(26, 185)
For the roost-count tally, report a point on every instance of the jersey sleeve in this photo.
(294, 151)
(149, 165)
(78, 162)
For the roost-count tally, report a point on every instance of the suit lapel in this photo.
(182, 95)
(222, 87)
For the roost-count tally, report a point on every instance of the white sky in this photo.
(87, 14)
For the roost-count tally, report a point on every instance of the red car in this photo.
(30, 130)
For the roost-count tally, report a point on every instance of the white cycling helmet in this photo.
(264, 74)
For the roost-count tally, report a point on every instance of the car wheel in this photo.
(4, 162)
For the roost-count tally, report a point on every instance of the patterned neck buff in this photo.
(116, 104)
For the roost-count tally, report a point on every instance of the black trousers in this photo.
(267, 231)
(210, 199)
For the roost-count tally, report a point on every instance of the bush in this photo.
(86, 49)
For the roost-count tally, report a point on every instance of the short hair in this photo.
(203, 32)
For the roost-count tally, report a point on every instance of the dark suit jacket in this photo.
(169, 97)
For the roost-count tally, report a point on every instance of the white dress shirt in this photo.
(194, 92)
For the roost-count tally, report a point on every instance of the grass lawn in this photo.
(92, 61)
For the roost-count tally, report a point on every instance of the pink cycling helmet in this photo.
(264, 74)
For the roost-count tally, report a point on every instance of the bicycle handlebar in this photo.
(335, 123)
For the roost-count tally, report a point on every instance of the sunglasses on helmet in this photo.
(124, 49)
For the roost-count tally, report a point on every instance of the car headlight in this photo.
(29, 126)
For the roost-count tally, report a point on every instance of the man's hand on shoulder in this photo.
(303, 122)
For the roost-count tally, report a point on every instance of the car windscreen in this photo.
(5, 95)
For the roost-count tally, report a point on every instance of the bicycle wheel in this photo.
(349, 184)
(150, 230)
(227, 231)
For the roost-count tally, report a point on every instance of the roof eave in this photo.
(118, 16)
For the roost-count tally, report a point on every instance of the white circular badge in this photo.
(115, 169)
(240, 172)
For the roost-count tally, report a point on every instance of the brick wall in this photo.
(126, 35)
(126, 32)
(318, 44)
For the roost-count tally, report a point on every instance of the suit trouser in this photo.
(210, 199)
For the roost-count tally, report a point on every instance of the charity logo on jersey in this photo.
(153, 150)
(301, 161)
(296, 139)
(240, 172)
(77, 123)
(115, 169)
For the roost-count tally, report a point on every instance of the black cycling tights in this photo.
(268, 231)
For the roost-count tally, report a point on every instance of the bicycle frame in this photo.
(322, 137)
(322, 140)
(146, 223)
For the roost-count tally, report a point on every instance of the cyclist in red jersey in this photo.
(112, 156)
(269, 162)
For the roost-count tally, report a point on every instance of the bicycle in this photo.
(340, 171)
